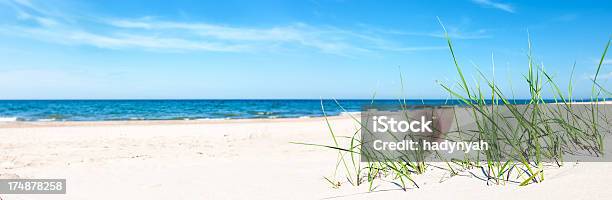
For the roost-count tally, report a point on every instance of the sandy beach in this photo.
(236, 159)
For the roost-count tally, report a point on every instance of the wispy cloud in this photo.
(152, 34)
(453, 31)
(603, 76)
(492, 4)
(326, 39)
(457, 34)
(122, 40)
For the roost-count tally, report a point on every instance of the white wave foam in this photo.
(8, 119)
(211, 119)
(347, 114)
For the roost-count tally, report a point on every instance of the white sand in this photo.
(235, 159)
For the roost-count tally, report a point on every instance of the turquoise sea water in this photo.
(102, 110)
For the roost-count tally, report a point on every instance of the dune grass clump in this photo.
(524, 139)
(534, 137)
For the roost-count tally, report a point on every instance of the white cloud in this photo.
(120, 41)
(603, 76)
(457, 34)
(453, 32)
(501, 6)
(326, 40)
(40, 20)
(166, 35)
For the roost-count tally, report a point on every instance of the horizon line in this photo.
(259, 99)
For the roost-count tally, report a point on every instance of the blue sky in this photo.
(290, 49)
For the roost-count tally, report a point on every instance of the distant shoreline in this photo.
(12, 122)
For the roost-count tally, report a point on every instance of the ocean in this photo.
(108, 110)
